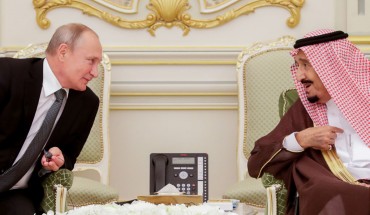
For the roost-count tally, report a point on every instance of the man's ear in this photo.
(62, 51)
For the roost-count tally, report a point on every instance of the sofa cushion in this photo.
(247, 191)
(81, 193)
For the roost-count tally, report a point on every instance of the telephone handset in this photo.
(160, 162)
(188, 172)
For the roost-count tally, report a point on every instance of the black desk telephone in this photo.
(188, 172)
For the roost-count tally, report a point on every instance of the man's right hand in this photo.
(320, 138)
(56, 160)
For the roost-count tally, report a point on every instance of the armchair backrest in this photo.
(95, 153)
(263, 72)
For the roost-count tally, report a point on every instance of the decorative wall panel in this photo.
(166, 13)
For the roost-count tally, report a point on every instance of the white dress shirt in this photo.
(351, 150)
(50, 85)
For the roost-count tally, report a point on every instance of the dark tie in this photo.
(9, 178)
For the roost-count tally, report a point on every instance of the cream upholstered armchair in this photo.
(94, 155)
(263, 73)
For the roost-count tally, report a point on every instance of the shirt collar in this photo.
(50, 82)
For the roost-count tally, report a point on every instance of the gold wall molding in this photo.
(166, 13)
(189, 62)
(362, 42)
(360, 39)
(175, 94)
(196, 107)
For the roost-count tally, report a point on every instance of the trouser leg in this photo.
(16, 202)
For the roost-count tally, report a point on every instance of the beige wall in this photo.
(180, 95)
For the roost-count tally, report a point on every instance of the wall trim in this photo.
(197, 107)
(164, 13)
(161, 62)
(175, 94)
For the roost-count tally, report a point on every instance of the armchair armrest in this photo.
(276, 195)
(54, 184)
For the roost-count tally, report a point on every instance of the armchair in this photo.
(94, 155)
(276, 191)
(262, 74)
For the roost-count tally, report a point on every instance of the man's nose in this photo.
(95, 71)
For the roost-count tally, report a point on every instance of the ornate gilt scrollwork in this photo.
(167, 13)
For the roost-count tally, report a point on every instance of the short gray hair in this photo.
(68, 34)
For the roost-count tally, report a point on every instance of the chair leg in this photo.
(60, 199)
(296, 208)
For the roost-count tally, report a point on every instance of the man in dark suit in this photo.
(27, 88)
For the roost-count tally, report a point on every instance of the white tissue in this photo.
(169, 189)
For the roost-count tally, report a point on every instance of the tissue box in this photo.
(172, 199)
(224, 204)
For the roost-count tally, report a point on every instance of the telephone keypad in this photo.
(185, 188)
